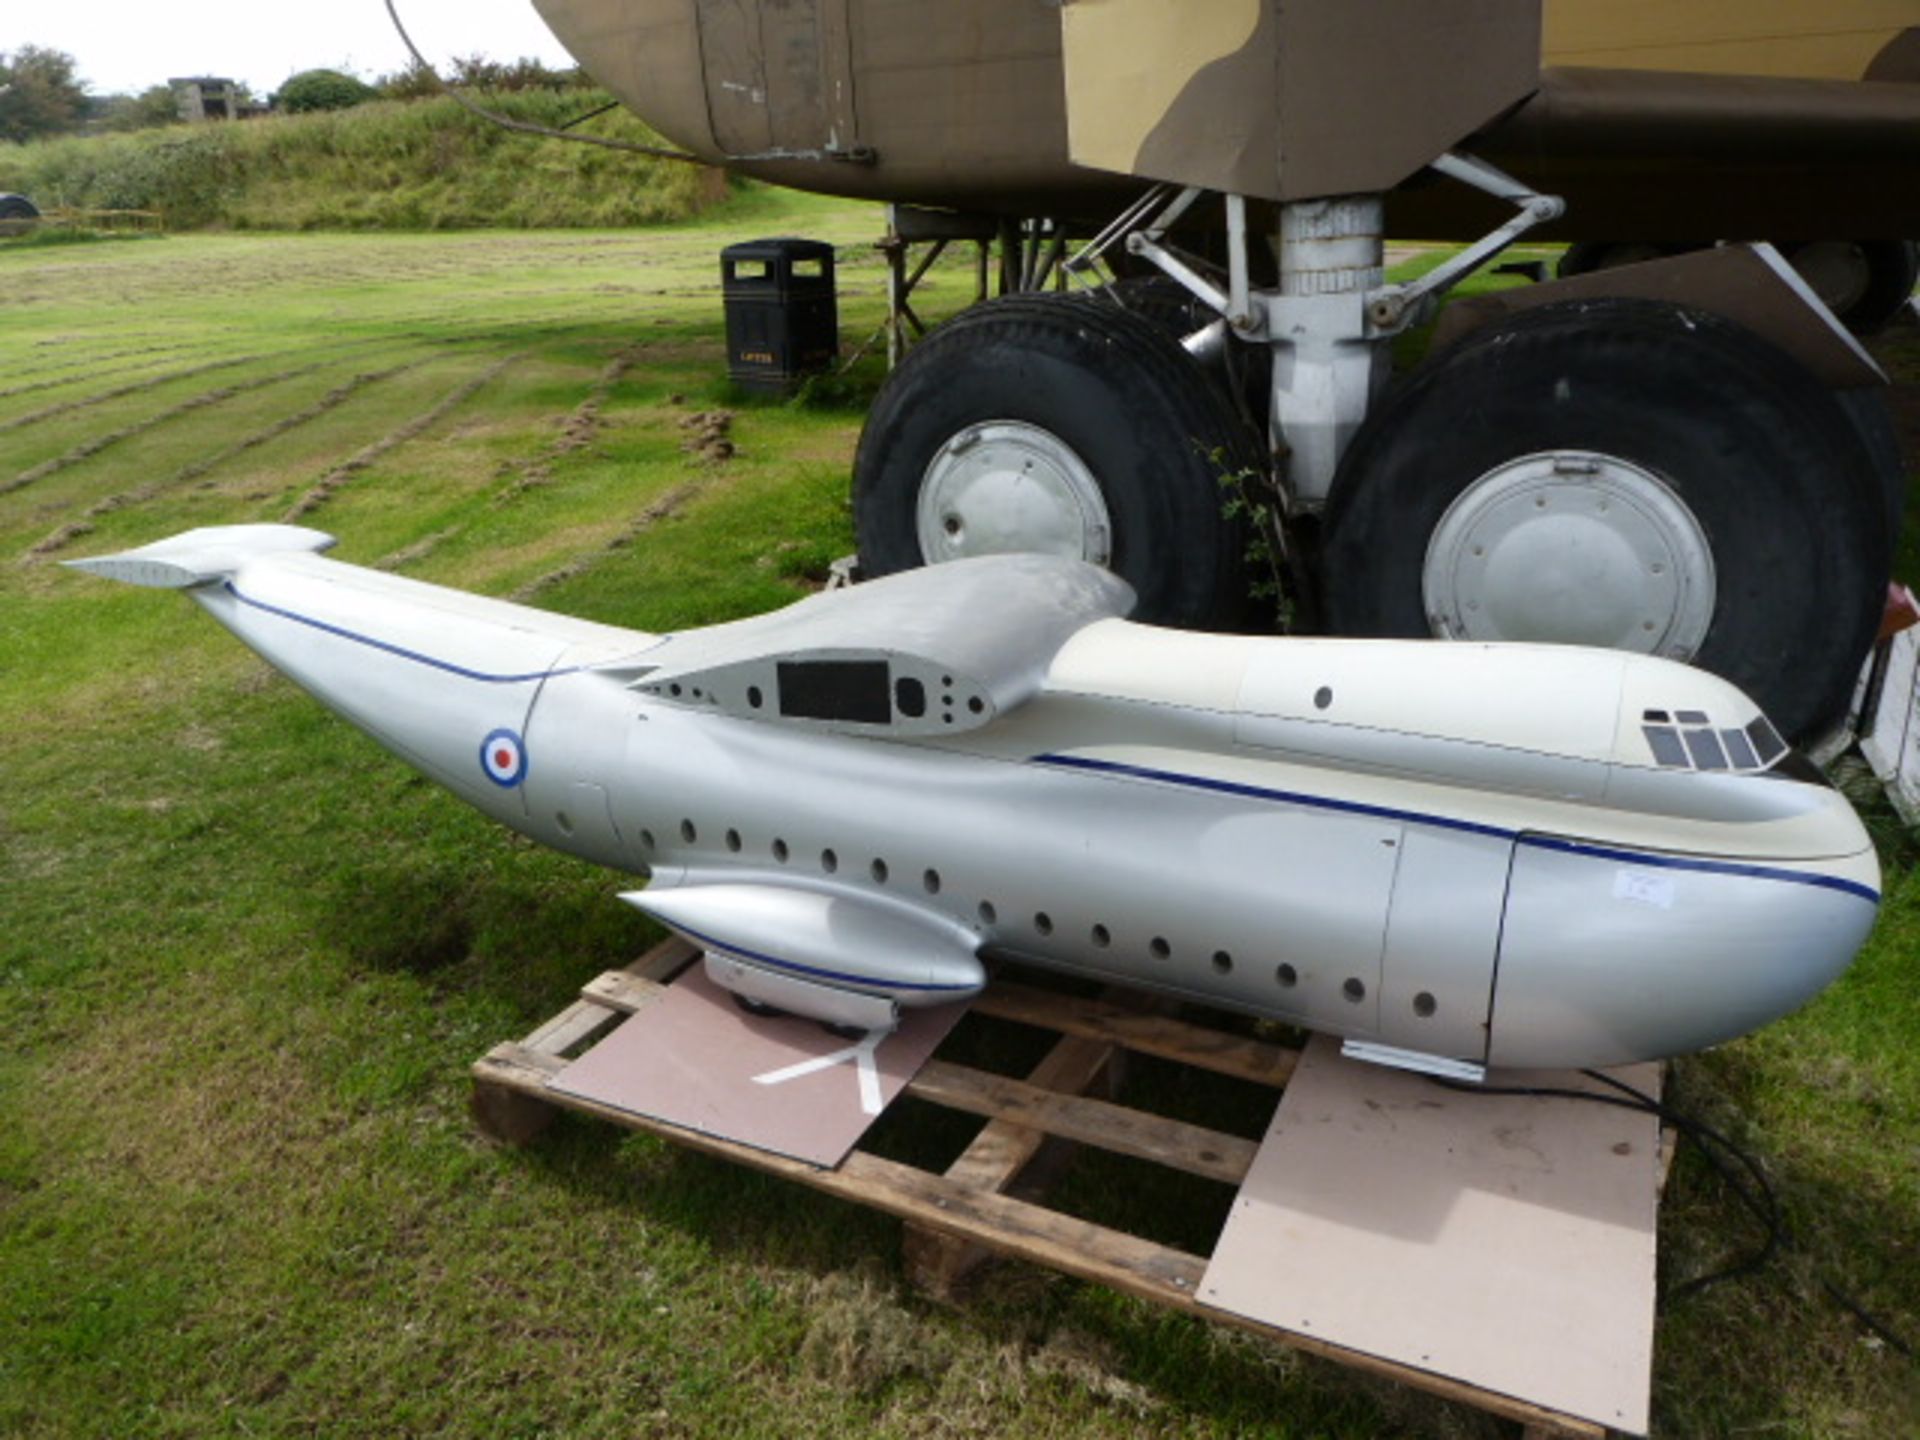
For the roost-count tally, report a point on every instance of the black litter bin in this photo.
(783, 320)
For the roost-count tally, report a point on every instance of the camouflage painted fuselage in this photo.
(1682, 118)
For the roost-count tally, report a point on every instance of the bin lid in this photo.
(779, 247)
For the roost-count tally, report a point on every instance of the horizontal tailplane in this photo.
(198, 557)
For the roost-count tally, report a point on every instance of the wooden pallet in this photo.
(984, 1204)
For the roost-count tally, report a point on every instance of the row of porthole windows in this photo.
(829, 859)
(1284, 974)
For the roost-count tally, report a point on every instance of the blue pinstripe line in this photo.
(780, 964)
(1414, 817)
(1716, 867)
(392, 649)
(1260, 792)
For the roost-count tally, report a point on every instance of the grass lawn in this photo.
(246, 958)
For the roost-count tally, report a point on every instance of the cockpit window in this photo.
(1704, 746)
(1767, 743)
(1688, 740)
(1739, 750)
(1667, 749)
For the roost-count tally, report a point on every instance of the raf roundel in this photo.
(504, 758)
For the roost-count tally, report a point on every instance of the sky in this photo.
(129, 45)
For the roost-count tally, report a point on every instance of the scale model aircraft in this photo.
(1452, 855)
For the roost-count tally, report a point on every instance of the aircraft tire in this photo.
(1244, 372)
(1874, 424)
(1892, 268)
(1620, 472)
(1091, 432)
(1158, 299)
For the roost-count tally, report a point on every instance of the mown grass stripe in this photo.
(576, 432)
(87, 449)
(325, 487)
(66, 534)
(55, 376)
(87, 402)
(663, 507)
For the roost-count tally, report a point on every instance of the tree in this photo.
(322, 90)
(476, 72)
(156, 105)
(416, 82)
(39, 94)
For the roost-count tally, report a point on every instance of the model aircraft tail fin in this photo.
(198, 557)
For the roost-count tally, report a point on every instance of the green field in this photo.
(247, 958)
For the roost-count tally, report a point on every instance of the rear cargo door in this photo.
(1443, 937)
(779, 75)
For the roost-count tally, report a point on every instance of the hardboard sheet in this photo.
(693, 1058)
(1505, 1241)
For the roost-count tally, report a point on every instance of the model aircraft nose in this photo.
(1608, 956)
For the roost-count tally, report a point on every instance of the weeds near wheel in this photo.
(1245, 498)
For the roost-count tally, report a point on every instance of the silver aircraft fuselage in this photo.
(1457, 854)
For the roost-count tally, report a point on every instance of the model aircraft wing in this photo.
(933, 651)
(824, 939)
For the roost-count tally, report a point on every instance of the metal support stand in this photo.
(907, 227)
(1030, 254)
(1331, 319)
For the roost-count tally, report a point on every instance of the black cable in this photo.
(1866, 1317)
(1760, 1200)
(856, 154)
(597, 110)
(527, 127)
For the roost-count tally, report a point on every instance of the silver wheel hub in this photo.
(1571, 547)
(1004, 486)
